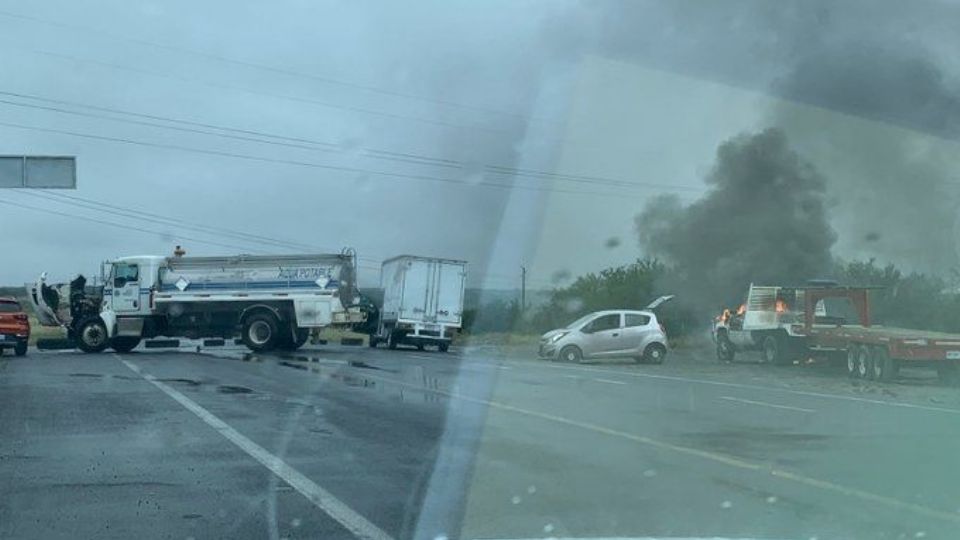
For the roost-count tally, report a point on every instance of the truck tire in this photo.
(884, 367)
(443, 347)
(392, 339)
(852, 361)
(92, 335)
(771, 350)
(372, 341)
(20, 349)
(864, 362)
(260, 332)
(124, 344)
(725, 350)
(287, 342)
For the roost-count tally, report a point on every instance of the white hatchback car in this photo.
(609, 334)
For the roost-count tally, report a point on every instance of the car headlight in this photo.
(558, 337)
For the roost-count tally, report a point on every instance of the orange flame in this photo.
(781, 306)
(742, 309)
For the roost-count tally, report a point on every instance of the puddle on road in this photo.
(190, 382)
(230, 389)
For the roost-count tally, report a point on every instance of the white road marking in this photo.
(572, 376)
(609, 381)
(751, 387)
(358, 525)
(765, 404)
(731, 461)
(508, 368)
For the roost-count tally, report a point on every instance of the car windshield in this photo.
(329, 269)
(580, 322)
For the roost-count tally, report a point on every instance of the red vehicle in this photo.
(14, 327)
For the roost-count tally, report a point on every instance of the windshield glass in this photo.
(580, 322)
(9, 307)
(387, 270)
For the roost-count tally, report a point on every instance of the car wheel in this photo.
(654, 353)
(571, 354)
(20, 349)
(260, 332)
(124, 344)
(92, 335)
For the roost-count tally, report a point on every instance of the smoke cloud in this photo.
(763, 220)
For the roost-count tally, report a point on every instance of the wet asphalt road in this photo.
(340, 442)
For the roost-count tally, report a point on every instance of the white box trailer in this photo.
(272, 301)
(422, 301)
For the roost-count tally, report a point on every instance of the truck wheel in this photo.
(770, 350)
(725, 350)
(260, 332)
(420, 346)
(92, 335)
(864, 362)
(372, 341)
(124, 344)
(852, 361)
(883, 365)
(392, 340)
(654, 354)
(20, 349)
(286, 342)
(444, 347)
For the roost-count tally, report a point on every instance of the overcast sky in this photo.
(285, 110)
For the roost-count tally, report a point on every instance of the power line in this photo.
(143, 215)
(330, 147)
(119, 225)
(272, 69)
(288, 97)
(337, 168)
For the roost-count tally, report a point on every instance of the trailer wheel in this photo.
(124, 344)
(864, 362)
(260, 331)
(883, 366)
(92, 335)
(852, 361)
(725, 350)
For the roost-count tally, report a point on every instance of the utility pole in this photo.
(523, 288)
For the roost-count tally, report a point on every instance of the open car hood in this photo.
(659, 301)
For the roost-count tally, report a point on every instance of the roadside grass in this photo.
(43, 332)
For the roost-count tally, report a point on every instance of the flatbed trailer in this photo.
(784, 333)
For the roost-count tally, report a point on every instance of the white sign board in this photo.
(38, 172)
